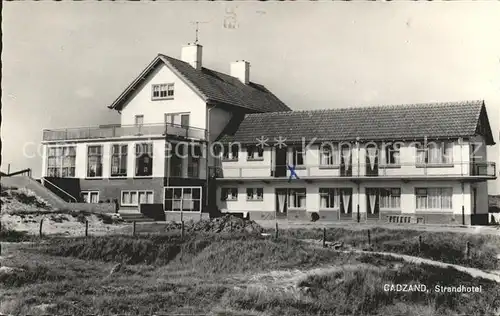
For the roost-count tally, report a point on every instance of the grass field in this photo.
(223, 274)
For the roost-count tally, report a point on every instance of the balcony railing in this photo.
(486, 170)
(113, 131)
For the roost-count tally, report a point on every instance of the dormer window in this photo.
(163, 91)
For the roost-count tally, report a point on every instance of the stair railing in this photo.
(60, 189)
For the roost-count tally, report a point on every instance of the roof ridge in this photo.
(380, 106)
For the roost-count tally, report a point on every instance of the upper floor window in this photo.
(181, 119)
(391, 155)
(231, 152)
(255, 153)
(94, 161)
(435, 152)
(144, 159)
(163, 91)
(61, 161)
(298, 155)
(119, 160)
(139, 120)
(194, 161)
(329, 155)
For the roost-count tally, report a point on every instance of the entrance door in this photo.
(281, 203)
(280, 163)
(372, 203)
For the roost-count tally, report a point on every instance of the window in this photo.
(61, 161)
(391, 155)
(143, 159)
(255, 194)
(435, 153)
(390, 198)
(163, 91)
(136, 197)
(297, 198)
(329, 155)
(139, 120)
(119, 160)
(175, 154)
(229, 194)
(231, 152)
(177, 119)
(194, 159)
(90, 196)
(255, 153)
(185, 199)
(433, 198)
(94, 161)
(298, 156)
(329, 198)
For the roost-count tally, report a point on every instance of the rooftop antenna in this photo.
(197, 28)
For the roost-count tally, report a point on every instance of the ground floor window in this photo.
(297, 198)
(136, 197)
(90, 196)
(433, 198)
(255, 194)
(186, 199)
(229, 194)
(329, 198)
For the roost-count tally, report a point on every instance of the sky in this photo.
(63, 63)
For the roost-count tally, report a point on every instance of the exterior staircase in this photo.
(29, 183)
(134, 216)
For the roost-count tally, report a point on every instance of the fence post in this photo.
(369, 238)
(86, 228)
(463, 215)
(182, 229)
(41, 224)
(467, 250)
(276, 233)
(419, 243)
(358, 216)
(324, 237)
(133, 228)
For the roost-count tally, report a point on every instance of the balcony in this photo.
(403, 171)
(117, 131)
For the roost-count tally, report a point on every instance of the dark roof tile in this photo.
(451, 119)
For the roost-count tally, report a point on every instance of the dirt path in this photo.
(477, 273)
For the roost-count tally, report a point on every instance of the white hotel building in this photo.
(408, 163)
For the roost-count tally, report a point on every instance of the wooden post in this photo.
(463, 215)
(419, 244)
(369, 238)
(133, 228)
(41, 224)
(86, 228)
(358, 216)
(276, 233)
(182, 229)
(324, 237)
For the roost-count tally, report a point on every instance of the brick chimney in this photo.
(241, 70)
(191, 54)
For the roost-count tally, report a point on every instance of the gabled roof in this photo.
(396, 122)
(211, 86)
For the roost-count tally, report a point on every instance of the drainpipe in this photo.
(463, 204)
(207, 135)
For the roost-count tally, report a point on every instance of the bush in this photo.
(10, 235)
